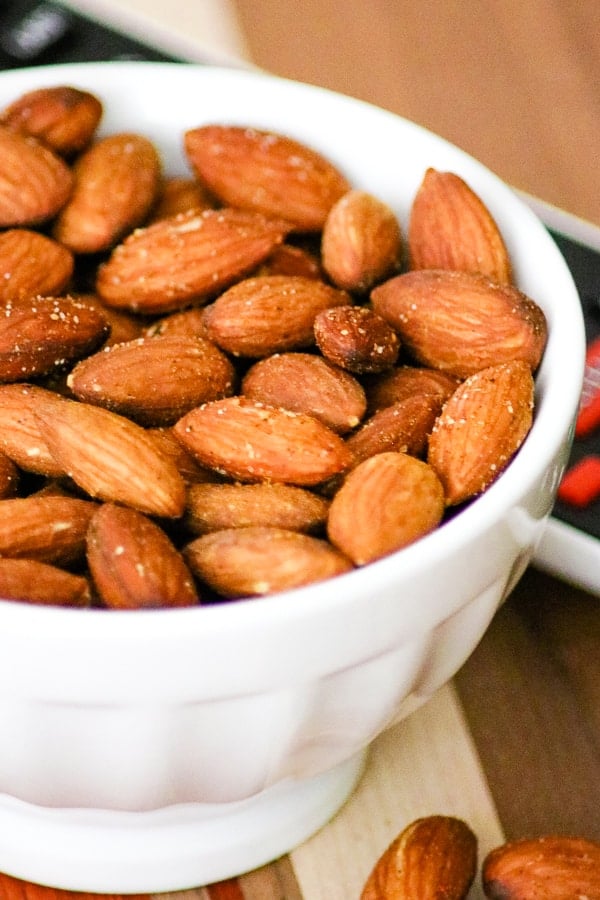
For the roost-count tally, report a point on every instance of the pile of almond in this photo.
(435, 858)
(243, 380)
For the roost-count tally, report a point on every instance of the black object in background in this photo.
(34, 33)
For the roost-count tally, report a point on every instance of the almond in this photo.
(451, 228)
(186, 259)
(385, 503)
(361, 242)
(20, 437)
(124, 326)
(288, 259)
(407, 381)
(35, 183)
(552, 867)
(357, 339)
(31, 581)
(186, 464)
(42, 334)
(32, 264)
(133, 562)
(116, 184)
(434, 857)
(480, 429)
(403, 427)
(251, 441)
(109, 457)
(307, 383)
(255, 561)
(188, 323)
(461, 322)
(266, 172)
(63, 117)
(269, 314)
(48, 528)
(214, 507)
(180, 195)
(154, 381)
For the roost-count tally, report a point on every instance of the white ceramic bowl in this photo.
(149, 751)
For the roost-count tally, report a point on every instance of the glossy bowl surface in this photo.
(147, 751)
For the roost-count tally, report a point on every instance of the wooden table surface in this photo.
(513, 744)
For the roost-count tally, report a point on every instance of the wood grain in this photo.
(515, 84)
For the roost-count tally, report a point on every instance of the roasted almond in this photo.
(214, 507)
(451, 228)
(461, 322)
(255, 561)
(267, 172)
(387, 502)
(109, 457)
(9, 477)
(404, 427)
(35, 182)
(156, 380)
(116, 184)
(289, 259)
(186, 464)
(307, 383)
(180, 195)
(188, 323)
(31, 581)
(49, 528)
(269, 314)
(357, 339)
(480, 428)
(42, 334)
(361, 242)
(20, 437)
(134, 564)
(434, 858)
(407, 381)
(552, 867)
(186, 259)
(63, 117)
(32, 264)
(251, 441)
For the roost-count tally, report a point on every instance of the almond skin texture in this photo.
(180, 195)
(544, 868)
(480, 429)
(307, 383)
(404, 427)
(50, 529)
(361, 242)
(461, 322)
(32, 264)
(35, 183)
(20, 436)
(357, 339)
(451, 228)
(134, 564)
(40, 335)
(434, 858)
(270, 314)
(109, 456)
(31, 581)
(186, 259)
(387, 502)
(62, 117)
(116, 184)
(265, 172)
(154, 381)
(250, 441)
(255, 561)
(9, 477)
(287, 259)
(214, 507)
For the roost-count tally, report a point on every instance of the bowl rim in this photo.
(534, 456)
